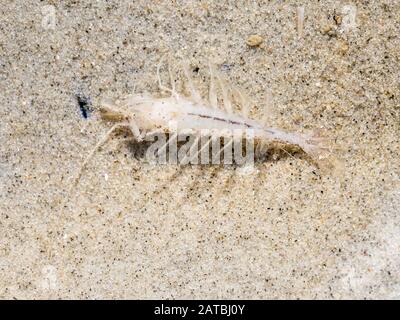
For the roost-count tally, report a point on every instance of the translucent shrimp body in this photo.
(145, 114)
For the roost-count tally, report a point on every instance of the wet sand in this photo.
(135, 230)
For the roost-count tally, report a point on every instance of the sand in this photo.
(131, 229)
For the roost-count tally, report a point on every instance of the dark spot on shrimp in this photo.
(84, 105)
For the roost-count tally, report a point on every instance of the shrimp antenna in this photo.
(161, 86)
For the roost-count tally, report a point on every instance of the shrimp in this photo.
(144, 115)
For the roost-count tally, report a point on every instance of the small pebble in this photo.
(325, 29)
(343, 48)
(338, 19)
(254, 40)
